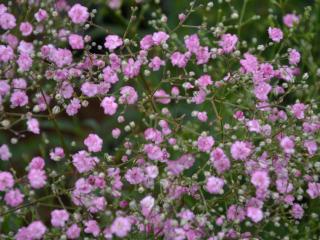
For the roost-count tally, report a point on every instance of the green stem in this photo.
(244, 6)
(55, 123)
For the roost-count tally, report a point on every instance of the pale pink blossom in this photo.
(93, 143)
(112, 42)
(214, 185)
(78, 14)
(275, 34)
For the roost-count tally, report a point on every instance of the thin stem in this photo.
(244, 6)
(54, 122)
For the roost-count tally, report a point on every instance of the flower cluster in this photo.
(225, 145)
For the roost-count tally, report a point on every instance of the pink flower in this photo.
(236, 213)
(239, 115)
(176, 167)
(240, 150)
(192, 43)
(283, 186)
(128, 95)
(66, 90)
(178, 59)
(298, 110)
(228, 42)
(73, 232)
(202, 116)
(286, 73)
(202, 55)
(36, 163)
(146, 42)
(260, 179)
(76, 41)
(255, 214)
(59, 217)
(275, 34)
(19, 99)
(24, 62)
(290, 20)
(78, 14)
(41, 15)
(199, 96)
(135, 175)
(22, 234)
(13, 198)
(262, 90)
(154, 135)
(311, 146)
(33, 126)
(61, 57)
(175, 91)
(162, 97)
(297, 211)
(114, 4)
(220, 160)
(7, 21)
(147, 204)
(36, 229)
(6, 181)
(115, 61)
(250, 63)
(92, 227)
(73, 107)
(154, 152)
(37, 178)
(267, 71)
(156, 63)
(131, 69)
(182, 17)
(5, 153)
(83, 161)
(116, 133)
(204, 81)
(103, 88)
(4, 88)
(112, 42)
(287, 145)
(3, 9)
(26, 28)
(83, 186)
(214, 185)
(97, 204)
(19, 83)
(109, 105)
(160, 38)
(219, 221)
(186, 215)
(109, 75)
(6, 53)
(313, 190)
(93, 143)
(121, 226)
(253, 126)
(205, 143)
(152, 171)
(57, 154)
(294, 57)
